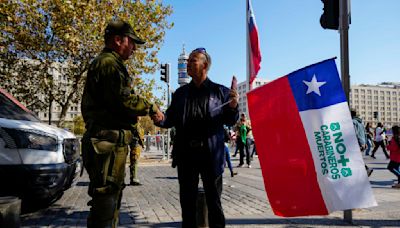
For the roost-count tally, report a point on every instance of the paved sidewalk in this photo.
(156, 202)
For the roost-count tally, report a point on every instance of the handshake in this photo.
(157, 116)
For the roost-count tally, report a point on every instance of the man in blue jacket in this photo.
(198, 115)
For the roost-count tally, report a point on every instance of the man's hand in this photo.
(157, 116)
(234, 97)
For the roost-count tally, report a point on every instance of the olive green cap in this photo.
(122, 28)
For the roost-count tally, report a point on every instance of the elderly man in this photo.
(110, 109)
(198, 115)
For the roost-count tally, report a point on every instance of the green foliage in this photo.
(38, 38)
(79, 125)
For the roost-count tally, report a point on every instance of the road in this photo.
(156, 202)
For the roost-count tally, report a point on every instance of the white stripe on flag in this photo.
(344, 185)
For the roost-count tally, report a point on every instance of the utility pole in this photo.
(344, 45)
(344, 65)
(336, 17)
(165, 75)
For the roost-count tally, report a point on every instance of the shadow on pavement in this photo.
(82, 183)
(168, 178)
(56, 217)
(381, 183)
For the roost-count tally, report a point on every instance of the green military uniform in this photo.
(109, 108)
(136, 147)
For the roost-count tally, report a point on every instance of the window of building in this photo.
(368, 91)
(375, 92)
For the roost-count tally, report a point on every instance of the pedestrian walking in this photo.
(110, 108)
(197, 113)
(135, 147)
(394, 148)
(245, 138)
(148, 141)
(379, 140)
(227, 152)
(370, 138)
(361, 136)
(158, 141)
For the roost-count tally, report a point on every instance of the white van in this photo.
(37, 161)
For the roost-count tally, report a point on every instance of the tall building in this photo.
(73, 111)
(243, 89)
(382, 99)
(183, 77)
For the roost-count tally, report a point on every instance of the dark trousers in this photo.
(242, 149)
(381, 144)
(394, 168)
(188, 176)
(228, 159)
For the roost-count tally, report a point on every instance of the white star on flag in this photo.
(313, 85)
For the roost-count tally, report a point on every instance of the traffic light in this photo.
(330, 18)
(376, 115)
(165, 72)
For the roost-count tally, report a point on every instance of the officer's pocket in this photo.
(102, 146)
(118, 169)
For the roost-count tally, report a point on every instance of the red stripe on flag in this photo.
(255, 54)
(287, 166)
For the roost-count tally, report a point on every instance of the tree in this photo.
(147, 124)
(78, 125)
(39, 38)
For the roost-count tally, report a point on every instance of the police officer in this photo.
(110, 108)
(136, 147)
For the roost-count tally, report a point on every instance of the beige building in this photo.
(384, 99)
(242, 90)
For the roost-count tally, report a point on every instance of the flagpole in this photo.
(344, 58)
(247, 48)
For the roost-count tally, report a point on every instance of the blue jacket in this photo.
(174, 117)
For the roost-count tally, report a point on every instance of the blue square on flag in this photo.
(317, 86)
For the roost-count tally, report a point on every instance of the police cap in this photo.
(122, 28)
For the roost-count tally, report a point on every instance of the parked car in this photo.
(37, 161)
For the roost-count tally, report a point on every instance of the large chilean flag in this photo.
(308, 151)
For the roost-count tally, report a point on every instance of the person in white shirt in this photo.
(379, 141)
